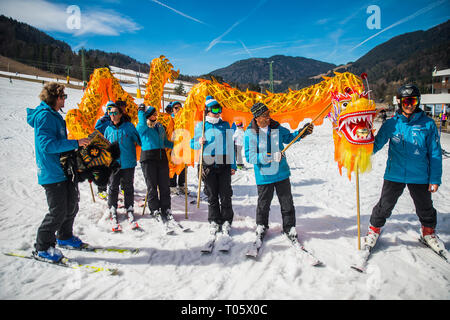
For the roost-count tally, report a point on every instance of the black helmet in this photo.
(408, 90)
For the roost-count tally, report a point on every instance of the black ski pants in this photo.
(181, 179)
(156, 175)
(219, 191)
(62, 200)
(125, 179)
(265, 196)
(389, 195)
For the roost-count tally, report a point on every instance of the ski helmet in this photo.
(408, 90)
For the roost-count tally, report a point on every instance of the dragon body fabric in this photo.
(352, 146)
(349, 109)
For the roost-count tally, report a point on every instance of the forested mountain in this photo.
(26, 44)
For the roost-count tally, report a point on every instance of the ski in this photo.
(364, 256)
(65, 262)
(303, 251)
(224, 242)
(174, 223)
(209, 245)
(117, 228)
(164, 224)
(442, 253)
(88, 248)
(255, 247)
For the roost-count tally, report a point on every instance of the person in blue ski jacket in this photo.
(104, 121)
(264, 139)
(218, 165)
(414, 160)
(154, 162)
(50, 140)
(122, 131)
(101, 126)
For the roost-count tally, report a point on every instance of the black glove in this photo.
(307, 131)
(141, 107)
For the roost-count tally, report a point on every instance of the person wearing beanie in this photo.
(264, 139)
(177, 181)
(218, 166)
(154, 162)
(168, 109)
(123, 132)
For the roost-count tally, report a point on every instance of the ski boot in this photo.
(371, 238)
(71, 243)
(226, 227)
(50, 255)
(213, 228)
(430, 239)
(113, 215)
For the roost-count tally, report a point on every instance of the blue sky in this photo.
(199, 36)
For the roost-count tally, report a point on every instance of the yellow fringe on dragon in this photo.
(291, 107)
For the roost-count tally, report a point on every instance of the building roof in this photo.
(440, 73)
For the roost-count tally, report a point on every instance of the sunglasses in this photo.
(114, 113)
(409, 101)
(216, 110)
(64, 96)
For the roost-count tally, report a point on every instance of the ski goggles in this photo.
(409, 101)
(215, 109)
(113, 113)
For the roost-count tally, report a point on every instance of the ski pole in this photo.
(301, 132)
(185, 193)
(92, 191)
(201, 162)
(358, 218)
(145, 202)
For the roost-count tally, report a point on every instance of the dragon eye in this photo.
(344, 105)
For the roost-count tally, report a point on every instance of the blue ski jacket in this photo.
(152, 138)
(258, 145)
(415, 154)
(50, 140)
(127, 137)
(219, 142)
(103, 123)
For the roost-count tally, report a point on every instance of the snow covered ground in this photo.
(172, 267)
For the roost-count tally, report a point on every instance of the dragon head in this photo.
(352, 118)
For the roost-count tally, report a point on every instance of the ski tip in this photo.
(359, 269)
(318, 264)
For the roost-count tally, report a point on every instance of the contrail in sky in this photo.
(421, 11)
(217, 40)
(179, 12)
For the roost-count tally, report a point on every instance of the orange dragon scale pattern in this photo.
(350, 111)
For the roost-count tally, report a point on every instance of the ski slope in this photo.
(172, 267)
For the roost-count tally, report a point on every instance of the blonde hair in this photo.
(50, 93)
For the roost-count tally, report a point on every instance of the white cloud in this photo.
(48, 16)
